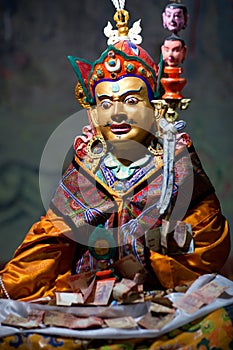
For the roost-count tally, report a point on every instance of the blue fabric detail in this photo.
(134, 48)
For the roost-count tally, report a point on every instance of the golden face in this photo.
(124, 111)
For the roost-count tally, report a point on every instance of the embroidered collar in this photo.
(120, 171)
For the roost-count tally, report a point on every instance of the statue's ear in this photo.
(93, 116)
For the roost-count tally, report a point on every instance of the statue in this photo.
(135, 187)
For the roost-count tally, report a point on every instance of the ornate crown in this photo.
(123, 57)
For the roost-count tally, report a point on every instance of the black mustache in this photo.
(130, 122)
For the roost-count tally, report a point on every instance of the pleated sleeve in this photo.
(42, 262)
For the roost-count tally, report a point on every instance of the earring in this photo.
(96, 147)
(158, 151)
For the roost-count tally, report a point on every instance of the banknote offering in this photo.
(164, 232)
(153, 238)
(158, 308)
(162, 300)
(81, 281)
(121, 322)
(181, 240)
(211, 291)
(122, 289)
(180, 233)
(103, 291)
(66, 320)
(33, 320)
(67, 298)
(129, 266)
(89, 291)
(192, 302)
(159, 311)
(150, 322)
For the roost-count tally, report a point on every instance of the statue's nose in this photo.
(118, 113)
(119, 117)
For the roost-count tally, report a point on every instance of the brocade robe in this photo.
(57, 245)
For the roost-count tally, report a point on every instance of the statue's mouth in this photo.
(122, 128)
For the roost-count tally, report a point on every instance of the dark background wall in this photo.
(37, 89)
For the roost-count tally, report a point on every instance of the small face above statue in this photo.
(175, 17)
(174, 52)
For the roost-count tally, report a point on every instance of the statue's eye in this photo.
(106, 104)
(131, 100)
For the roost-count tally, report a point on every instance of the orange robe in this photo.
(53, 245)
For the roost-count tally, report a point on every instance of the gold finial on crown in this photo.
(121, 18)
